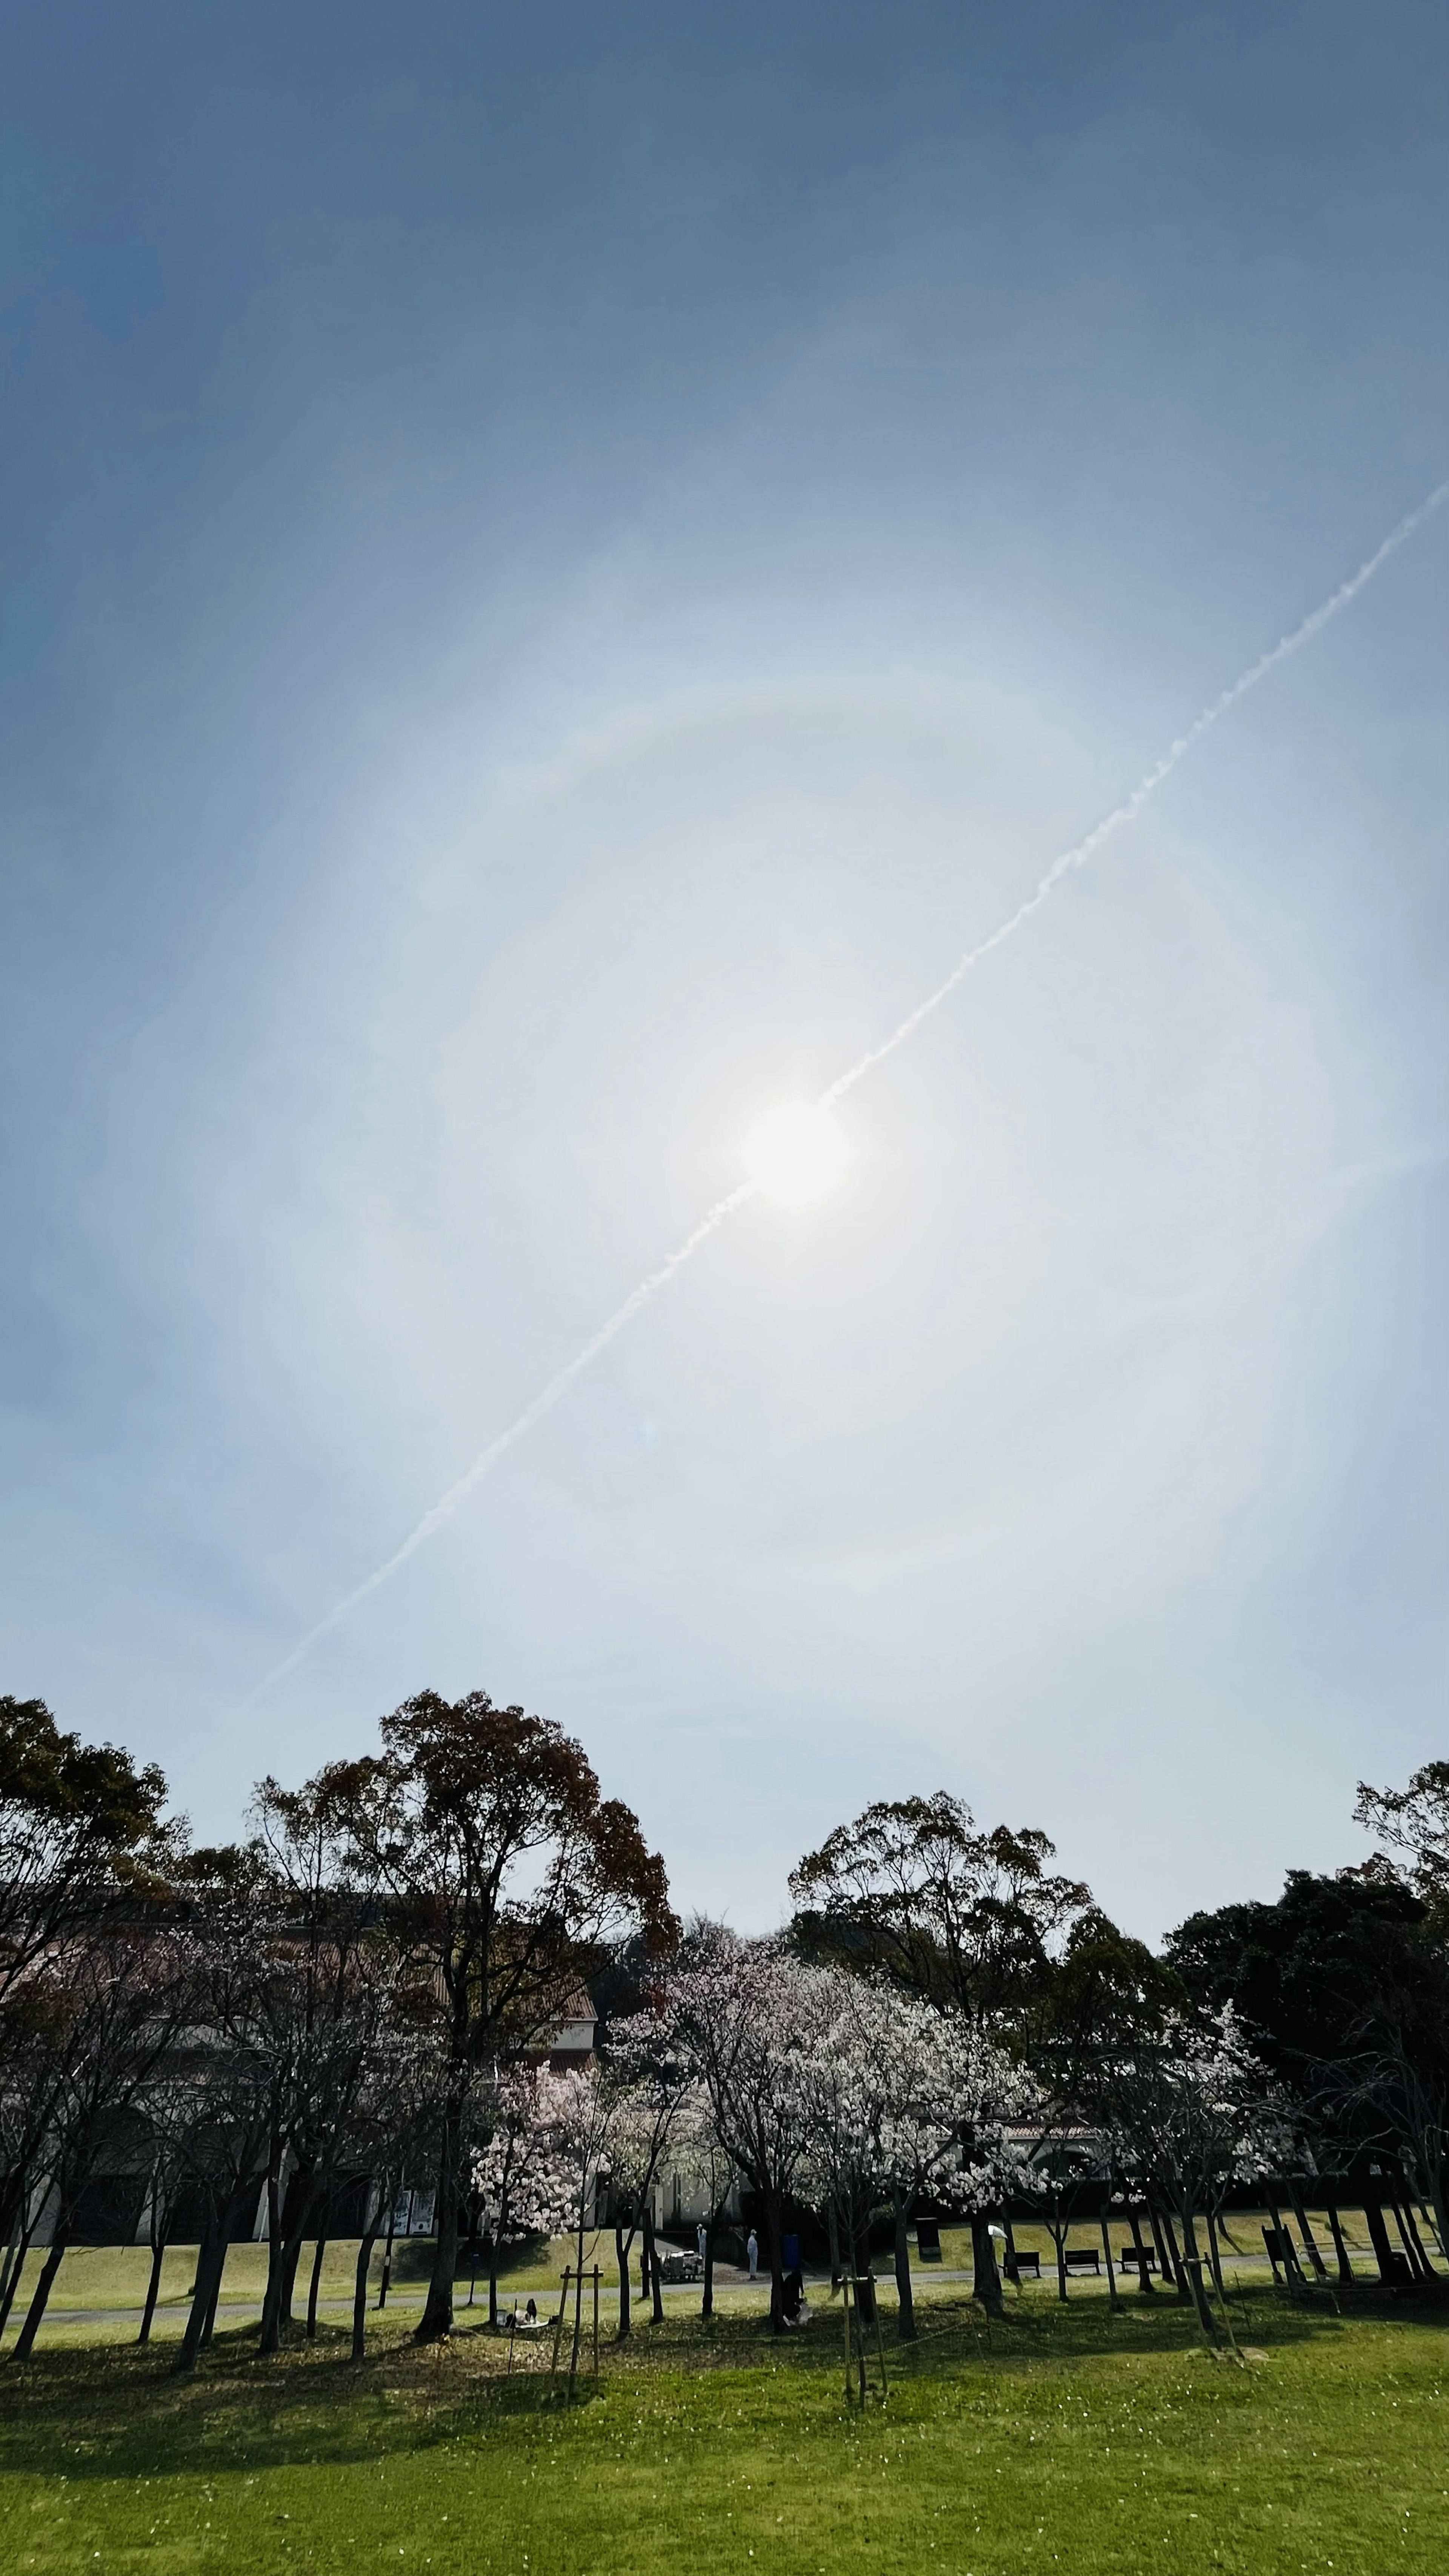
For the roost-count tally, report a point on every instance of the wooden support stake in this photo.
(879, 2340)
(558, 2321)
(596, 2320)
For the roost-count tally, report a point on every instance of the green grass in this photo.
(1065, 2439)
(114, 2276)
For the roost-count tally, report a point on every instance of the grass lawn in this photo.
(1065, 2439)
(113, 2277)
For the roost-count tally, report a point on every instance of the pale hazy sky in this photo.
(560, 564)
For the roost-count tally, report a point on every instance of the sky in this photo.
(560, 565)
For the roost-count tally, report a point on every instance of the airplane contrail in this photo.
(1077, 857)
(1131, 806)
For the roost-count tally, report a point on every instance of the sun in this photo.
(795, 1153)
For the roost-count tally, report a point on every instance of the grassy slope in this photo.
(1066, 2439)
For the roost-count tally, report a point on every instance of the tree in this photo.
(78, 1822)
(503, 1871)
(1188, 2112)
(81, 1832)
(892, 2104)
(334, 1998)
(580, 2113)
(231, 2139)
(1343, 1985)
(1416, 1821)
(128, 1993)
(959, 1917)
(648, 2079)
(522, 2179)
(751, 2015)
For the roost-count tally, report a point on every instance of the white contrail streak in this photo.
(1131, 806)
(543, 1403)
(724, 1208)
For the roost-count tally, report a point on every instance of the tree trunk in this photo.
(12, 2278)
(905, 2303)
(1192, 2272)
(578, 2301)
(706, 2305)
(213, 2242)
(1165, 2272)
(1173, 2256)
(294, 2237)
(1345, 2268)
(1441, 2207)
(385, 2283)
(833, 2227)
(300, 2200)
(1059, 2241)
(1144, 2277)
(1373, 2211)
(153, 2289)
(775, 2232)
(210, 2264)
(314, 2286)
(621, 2256)
(1420, 2248)
(1415, 2252)
(359, 2296)
(1215, 2257)
(40, 2295)
(1287, 2255)
(986, 2284)
(1012, 2269)
(212, 2304)
(437, 2317)
(1112, 2299)
(656, 2292)
(271, 2334)
(1304, 2230)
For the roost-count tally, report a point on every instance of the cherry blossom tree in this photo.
(890, 2113)
(522, 2174)
(1189, 2111)
(649, 2079)
(752, 2015)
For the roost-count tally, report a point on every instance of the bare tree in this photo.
(128, 1991)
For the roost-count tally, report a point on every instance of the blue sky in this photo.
(560, 565)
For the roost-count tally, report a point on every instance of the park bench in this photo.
(1082, 2258)
(1128, 2259)
(1023, 2260)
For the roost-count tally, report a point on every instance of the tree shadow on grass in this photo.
(955, 2333)
(107, 2412)
(103, 2412)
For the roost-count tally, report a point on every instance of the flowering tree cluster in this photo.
(360, 1993)
(294, 2023)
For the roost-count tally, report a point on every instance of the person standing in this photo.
(752, 2250)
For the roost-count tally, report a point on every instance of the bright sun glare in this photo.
(795, 1153)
